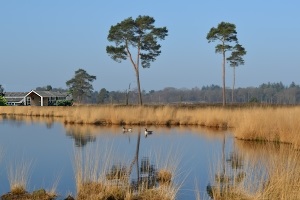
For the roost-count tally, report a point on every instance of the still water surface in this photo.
(50, 147)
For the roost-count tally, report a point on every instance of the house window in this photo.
(51, 100)
(28, 101)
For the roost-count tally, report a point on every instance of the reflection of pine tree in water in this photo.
(229, 176)
(148, 176)
(80, 139)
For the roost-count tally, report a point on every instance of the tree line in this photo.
(266, 93)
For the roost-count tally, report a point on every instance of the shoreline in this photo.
(250, 123)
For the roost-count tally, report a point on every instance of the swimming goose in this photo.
(148, 132)
(127, 129)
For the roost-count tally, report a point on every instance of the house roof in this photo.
(17, 97)
(15, 94)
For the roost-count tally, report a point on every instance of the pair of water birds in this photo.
(130, 130)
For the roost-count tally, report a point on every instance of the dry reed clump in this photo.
(160, 193)
(97, 177)
(228, 182)
(270, 124)
(94, 177)
(99, 191)
(164, 176)
(18, 176)
(272, 173)
(283, 176)
(40, 194)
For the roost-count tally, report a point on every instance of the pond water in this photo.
(49, 148)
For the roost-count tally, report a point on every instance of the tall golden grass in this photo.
(96, 178)
(18, 176)
(276, 124)
(273, 174)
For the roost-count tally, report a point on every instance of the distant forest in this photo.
(270, 93)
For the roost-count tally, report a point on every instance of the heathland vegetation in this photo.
(257, 171)
(259, 123)
(261, 126)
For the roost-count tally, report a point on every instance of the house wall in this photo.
(35, 100)
(45, 101)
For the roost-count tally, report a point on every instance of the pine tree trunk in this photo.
(138, 73)
(224, 95)
(233, 84)
(139, 86)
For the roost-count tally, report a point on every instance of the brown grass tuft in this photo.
(164, 176)
(18, 176)
(270, 173)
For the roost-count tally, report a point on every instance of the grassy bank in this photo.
(265, 172)
(276, 124)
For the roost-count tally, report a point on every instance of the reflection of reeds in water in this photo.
(91, 169)
(18, 176)
(20, 119)
(101, 175)
(168, 176)
(266, 173)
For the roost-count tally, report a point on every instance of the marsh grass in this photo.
(276, 176)
(91, 167)
(275, 124)
(19, 175)
(131, 115)
(52, 191)
(272, 124)
(99, 177)
(169, 175)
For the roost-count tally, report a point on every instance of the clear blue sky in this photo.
(44, 42)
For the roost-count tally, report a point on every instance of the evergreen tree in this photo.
(139, 34)
(80, 85)
(225, 33)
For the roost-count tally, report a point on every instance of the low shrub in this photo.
(64, 103)
(3, 101)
